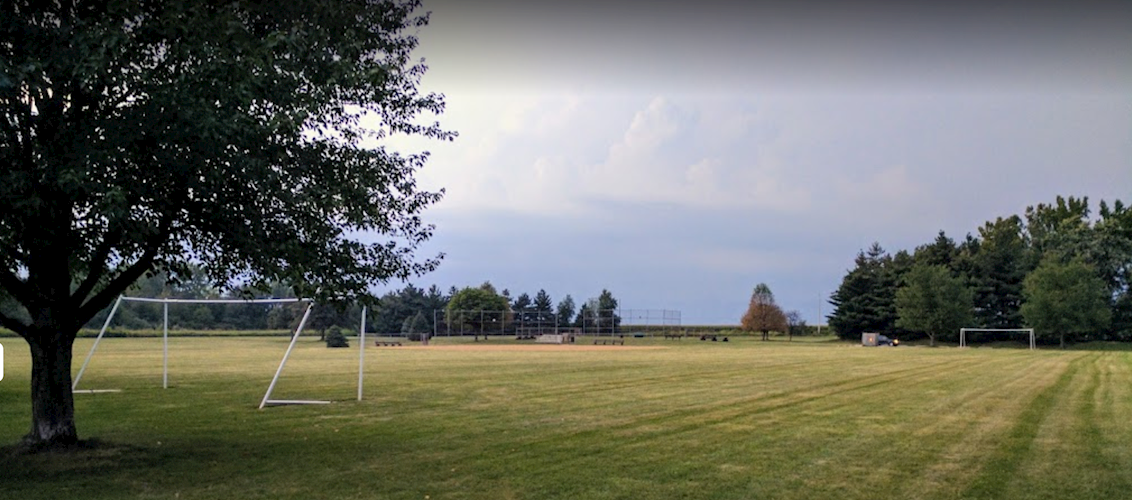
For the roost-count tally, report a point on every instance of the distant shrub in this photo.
(335, 338)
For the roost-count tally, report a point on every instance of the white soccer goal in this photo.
(963, 334)
(165, 342)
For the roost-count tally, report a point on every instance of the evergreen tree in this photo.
(941, 252)
(995, 265)
(865, 300)
(582, 320)
(522, 308)
(432, 303)
(395, 307)
(608, 317)
(543, 306)
(1001, 262)
(336, 338)
(566, 311)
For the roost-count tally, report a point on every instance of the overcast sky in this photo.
(679, 153)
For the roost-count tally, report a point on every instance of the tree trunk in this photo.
(931, 340)
(52, 402)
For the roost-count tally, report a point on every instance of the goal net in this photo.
(165, 302)
(1029, 332)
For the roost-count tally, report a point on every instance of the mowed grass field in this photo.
(655, 419)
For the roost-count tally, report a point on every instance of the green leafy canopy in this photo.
(142, 136)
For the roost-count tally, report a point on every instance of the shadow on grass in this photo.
(91, 455)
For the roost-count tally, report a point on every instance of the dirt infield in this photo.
(531, 347)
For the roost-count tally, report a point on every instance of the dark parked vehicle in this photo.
(883, 340)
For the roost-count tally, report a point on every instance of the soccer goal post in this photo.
(963, 334)
(165, 342)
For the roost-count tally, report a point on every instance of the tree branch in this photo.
(14, 325)
(131, 274)
(97, 265)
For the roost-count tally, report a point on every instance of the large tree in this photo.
(396, 306)
(522, 308)
(478, 310)
(941, 252)
(1000, 262)
(933, 302)
(1064, 301)
(543, 306)
(243, 137)
(565, 311)
(1114, 230)
(763, 314)
(865, 300)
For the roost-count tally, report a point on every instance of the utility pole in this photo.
(819, 313)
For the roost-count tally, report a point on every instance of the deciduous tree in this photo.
(795, 325)
(477, 310)
(143, 136)
(763, 315)
(933, 302)
(1064, 301)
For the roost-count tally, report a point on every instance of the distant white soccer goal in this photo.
(963, 334)
(165, 338)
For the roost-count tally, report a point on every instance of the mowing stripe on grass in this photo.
(1000, 469)
(1109, 473)
(700, 421)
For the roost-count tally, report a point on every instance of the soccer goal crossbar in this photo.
(963, 334)
(165, 343)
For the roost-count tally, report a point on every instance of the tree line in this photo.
(1058, 268)
(408, 310)
(413, 310)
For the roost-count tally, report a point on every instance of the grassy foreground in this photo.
(687, 419)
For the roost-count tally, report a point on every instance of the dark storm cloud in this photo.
(794, 46)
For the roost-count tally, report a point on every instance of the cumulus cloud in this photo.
(556, 154)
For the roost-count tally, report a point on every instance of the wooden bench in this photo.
(620, 341)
